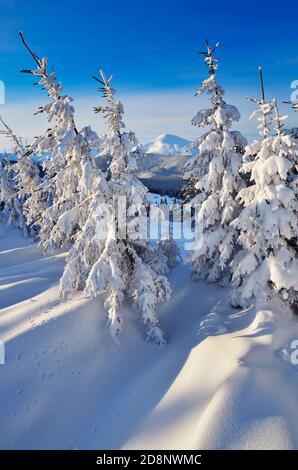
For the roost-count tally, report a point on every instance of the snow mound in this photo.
(220, 383)
(166, 144)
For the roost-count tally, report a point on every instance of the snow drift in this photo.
(219, 383)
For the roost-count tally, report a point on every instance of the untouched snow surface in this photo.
(166, 144)
(219, 383)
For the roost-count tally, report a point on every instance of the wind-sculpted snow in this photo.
(217, 384)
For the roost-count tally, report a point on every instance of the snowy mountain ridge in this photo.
(166, 144)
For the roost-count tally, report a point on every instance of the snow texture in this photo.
(220, 383)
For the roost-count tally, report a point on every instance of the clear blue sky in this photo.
(150, 46)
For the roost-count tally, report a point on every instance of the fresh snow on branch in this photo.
(103, 263)
(214, 179)
(70, 157)
(244, 196)
(268, 223)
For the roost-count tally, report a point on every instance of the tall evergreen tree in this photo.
(17, 181)
(112, 256)
(25, 182)
(268, 223)
(69, 159)
(214, 173)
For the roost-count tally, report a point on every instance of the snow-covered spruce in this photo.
(26, 181)
(214, 179)
(10, 206)
(11, 197)
(168, 247)
(70, 167)
(293, 131)
(268, 224)
(112, 256)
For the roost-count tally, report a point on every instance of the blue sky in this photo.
(151, 49)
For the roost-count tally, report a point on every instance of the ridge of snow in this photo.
(218, 384)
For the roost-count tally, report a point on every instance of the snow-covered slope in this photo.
(219, 383)
(166, 144)
(162, 173)
(162, 166)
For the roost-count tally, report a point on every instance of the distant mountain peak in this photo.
(166, 144)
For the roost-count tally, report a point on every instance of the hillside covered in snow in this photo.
(223, 381)
(131, 319)
(162, 173)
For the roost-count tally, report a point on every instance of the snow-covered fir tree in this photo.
(294, 130)
(26, 180)
(11, 196)
(69, 166)
(168, 247)
(213, 174)
(268, 223)
(11, 211)
(119, 145)
(112, 256)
